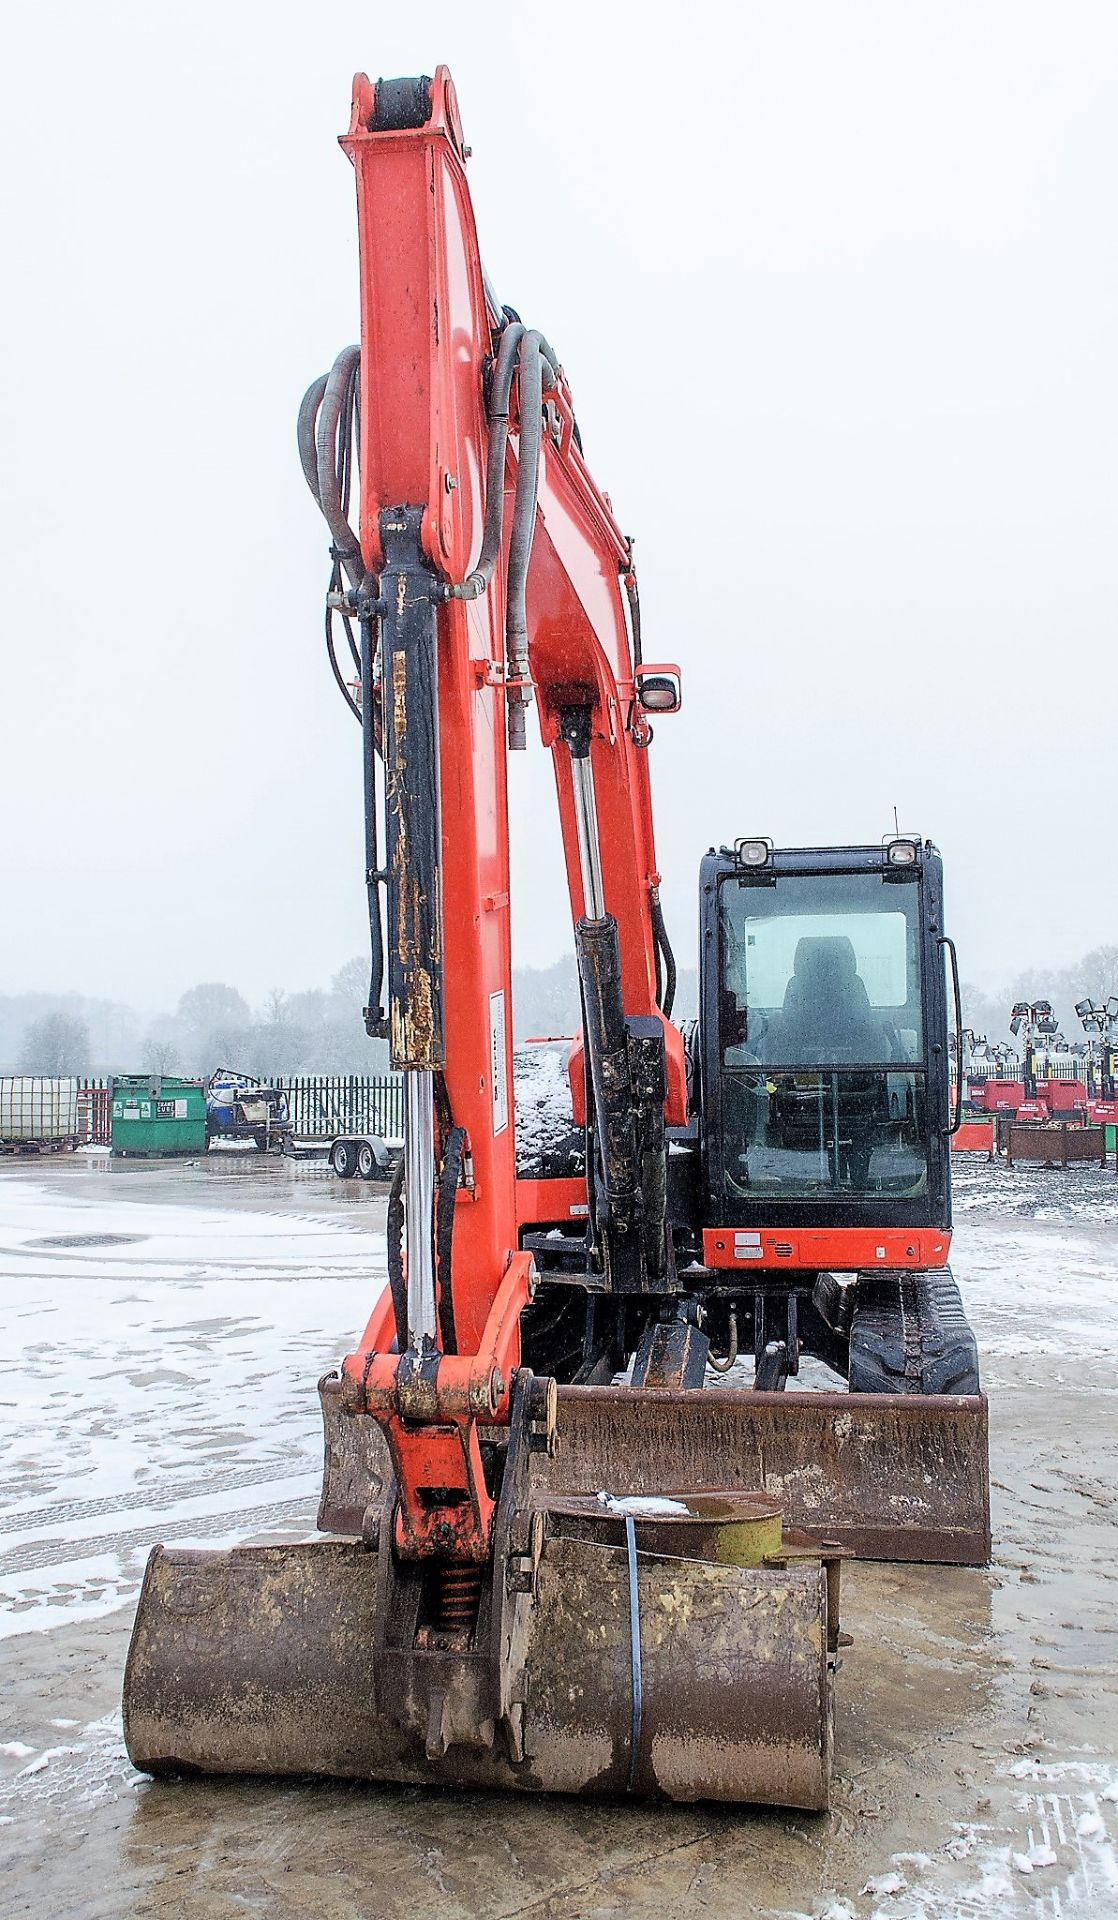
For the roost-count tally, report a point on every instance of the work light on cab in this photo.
(658, 689)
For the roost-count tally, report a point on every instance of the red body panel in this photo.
(824, 1249)
(549, 1201)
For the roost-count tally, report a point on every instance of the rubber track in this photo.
(909, 1334)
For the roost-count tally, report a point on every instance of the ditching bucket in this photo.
(261, 1660)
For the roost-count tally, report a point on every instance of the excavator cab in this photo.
(825, 1039)
(823, 1114)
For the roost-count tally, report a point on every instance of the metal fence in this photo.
(95, 1108)
(321, 1105)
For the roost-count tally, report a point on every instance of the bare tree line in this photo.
(1094, 977)
(322, 1030)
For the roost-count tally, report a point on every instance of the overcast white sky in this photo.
(836, 285)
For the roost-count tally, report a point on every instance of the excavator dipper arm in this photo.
(492, 573)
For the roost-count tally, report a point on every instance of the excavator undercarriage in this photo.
(553, 1556)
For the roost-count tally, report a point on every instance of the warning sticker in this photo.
(498, 1062)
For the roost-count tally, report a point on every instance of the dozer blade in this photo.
(267, 1660)
(887, 1476)
(896, 1477)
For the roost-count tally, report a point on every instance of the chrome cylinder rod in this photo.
(586, 826)
(419, 1189)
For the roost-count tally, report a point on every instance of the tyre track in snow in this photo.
(52, 1553)
(156, 1494)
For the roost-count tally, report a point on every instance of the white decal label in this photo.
(747, 1246)
(498, 1067)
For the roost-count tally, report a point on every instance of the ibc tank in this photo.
(33, 1108)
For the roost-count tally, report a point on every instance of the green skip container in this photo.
(158, 1113)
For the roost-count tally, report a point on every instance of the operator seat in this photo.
(826, 1018)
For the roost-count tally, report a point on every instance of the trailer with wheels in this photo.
(360, 1156)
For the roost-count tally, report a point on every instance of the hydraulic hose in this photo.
(634, 599)
(325, 434)
(723, 1364)
(664, 947)
(376, 1025)
(336, 584)
(475, 583)
(535, 357)
(339, 396)
(308, 418)
(343, 457)
(538, 367)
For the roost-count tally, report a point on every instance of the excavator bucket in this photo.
(260, 1660)
(632, 1638)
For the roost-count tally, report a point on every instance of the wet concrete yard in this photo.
(162, 1328)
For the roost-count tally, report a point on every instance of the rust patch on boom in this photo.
(416, 919)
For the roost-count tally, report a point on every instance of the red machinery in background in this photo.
(1099, 1020)
(1050, 1087)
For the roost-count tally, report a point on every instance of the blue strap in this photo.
(635, 1649)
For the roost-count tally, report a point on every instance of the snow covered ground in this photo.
(157, 1372)
(543, 1100)
(1081, 1194)
(161, 1333)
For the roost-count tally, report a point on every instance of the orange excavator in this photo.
(579, 1532)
